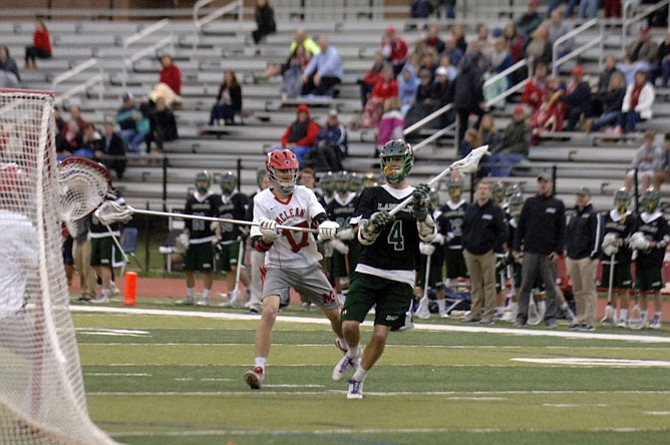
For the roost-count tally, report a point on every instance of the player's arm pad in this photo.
(260, 245)
(365, 236)
(427, 229)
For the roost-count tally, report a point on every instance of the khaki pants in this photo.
(583, 275)
(87, 276)
(482, 270)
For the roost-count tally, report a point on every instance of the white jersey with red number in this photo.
(292, 249)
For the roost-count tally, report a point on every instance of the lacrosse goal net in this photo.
(42, 398)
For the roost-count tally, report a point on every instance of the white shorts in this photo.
(310, 282)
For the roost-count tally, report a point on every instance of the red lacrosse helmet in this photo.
(282, 160)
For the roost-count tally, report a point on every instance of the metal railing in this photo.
(199, 23)
(627, 20)
(129, 59)
(558, 61)
(425, 120)
(98, 78)
(523, 63)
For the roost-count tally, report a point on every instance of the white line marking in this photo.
(613, 362)
(476, 399)
(422, 327)
(116, 374)
(217, 380)
(390, 393)
(112, 332)
(286, 385)
(658, 413)
(576, 405)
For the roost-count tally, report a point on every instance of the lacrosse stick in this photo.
(423, 310)
(83, 186)
(110, 212)
(608, 319)
(635, 321)
(234, 295)
(117, 244)
(466, 165)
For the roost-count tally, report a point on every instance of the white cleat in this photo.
(355, 391)
(344, 366)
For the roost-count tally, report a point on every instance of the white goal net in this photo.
(42, 398)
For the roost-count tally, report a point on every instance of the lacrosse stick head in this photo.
(111, 212)
(470, 163)
(635, 320)
(83, 186)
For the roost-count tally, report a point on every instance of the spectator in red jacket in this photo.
(371, 78)
(535, 90)
(41, 47)
(169, 83)
(385, 88)
(301, 134)
(394, 50)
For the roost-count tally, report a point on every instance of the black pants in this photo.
(33, 52)
(463, 116)
(324, 88)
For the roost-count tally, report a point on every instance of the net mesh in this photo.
(42, 398)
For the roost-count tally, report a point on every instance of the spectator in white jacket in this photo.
(637, 103)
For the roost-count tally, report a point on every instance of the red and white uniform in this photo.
(293, 249)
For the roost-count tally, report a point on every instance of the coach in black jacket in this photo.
(484, 230)
(541, 234)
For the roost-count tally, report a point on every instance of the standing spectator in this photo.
(610, 102)
(638, 103)
(640, 55)
(558, 28)
(169, 82)
(663, 57)
(529, 20)
(41, 47)
(588, 9)
(374, 75)
(513, 147)
(538, 48)
(301, 134)
(9, 70)
(483, 228)
(541, 234)
(113, 153)
(663, 174)
(228, 101)
(498, 61)
(408, 83)
(391, 123)
(535, 90)
(394, 50)
(577, 99)
(265, 21)
(612, 9)
(386, 88)
(326, 68)
(583, 248)
(126, 116)
(163, 125)
(441, 94)
(331, 145)
(468, 92)
(648, 159)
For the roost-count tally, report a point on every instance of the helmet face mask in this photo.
(649, 201)
(396, 160)
(515, 205)
(621, 200)
(369, 180)
(203, 181)
(228, 182)
(498, 192)
(327, 183)
(342, 182)
(355, 183)
(282, 167)
(455, 189)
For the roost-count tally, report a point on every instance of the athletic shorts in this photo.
(310, 282)
(199, 257)
(228, 255)
(393, 300)
(622, 278)
(455, 262)
(104, 252)
(436, 277)
(339, 266)
(68, 258)
(648, 278)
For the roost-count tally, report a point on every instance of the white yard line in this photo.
(423, 327)
(388, 393)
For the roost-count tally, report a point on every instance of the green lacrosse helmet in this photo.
(203, 181)
(622, 200)
(396, 148)
(512, 190)
(455, 188)
(342, 182)
(515, 204)
(369, 180)
(228, 182)
(355, 183)
(650, 200)
(498, 192)
(327, 183)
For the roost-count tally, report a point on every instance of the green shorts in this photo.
(392, 299)
(228, 256)
(104, 252)
(199, 257)
(455, 262)
(622, 278)
(648, 278)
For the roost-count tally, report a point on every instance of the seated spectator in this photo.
(407, 85)
(309, 48)
(330, 147)
(140, 143)
(75, 115)
(513, 147)
(429, 61)
(9, 70)
(577, 99)
(484, 40)
(228, 101)
(663, 58)
(91, 142)
(487, 132)
(60, 122)
(535, 90)
(386, 88)
(588, 9)
(41, 47)
(470, 141)
(374, 75)
(458, 33)
(163, 125)
(640, 55)
(637, 103)
(423, 104)
(529, 20)
(538, 48)
(391, 123)
(433, 38)
(323, 72)
(291, 72)
(112, 152)
(69, 140)
(551, 114)
(449, 8)
(265, 21)
(452, 50)
(604, 77)
(515, 42)
(394, 50)
(169, 82)
(498, 61)
(663, 173)
(611, 103)
(125, 117)
(648, 159)
(445, 62)
(301, 134)
(558, 28)
(421, 9)
(556, 3)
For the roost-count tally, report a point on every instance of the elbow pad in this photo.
(365, 236)
(427, 229)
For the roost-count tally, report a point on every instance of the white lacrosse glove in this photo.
(638, 241)
(327, 230)
(339, 246)
(183, 241)
(610, 249)
(426, 249)
(269, 230)
(439, 239)
(346, 234)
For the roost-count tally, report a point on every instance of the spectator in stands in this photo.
(487, 132)
(386, 88)
(75, 115)
(470, 141)
(558, 28)
(612, 9)
(484, 40)
(529, 20)
(608, 70)
(449, 8)
(663, 173)
(468, 91)
(169, 82)
(391, 123)
(126, 116)
(458, 33)
(648, 159)
(113, 152)
(228, 101)
(515, 42)
(291, 72)
(535, 90)
(265, 21)
(331, 145)
(452, 71)
(374, 75)
(69, 140)
(433, 38)
(513, 147)
(423, 104)
(638, 103)
(420, 9)
(588, 9)
(9, 70)
(91, 141)
(394, 50)
(408, 83)
(301, 134)
(538, 48)
(451, 50)
(163, 125)
(41, 47)
(497, 62)
(556, 3)
(323, 72)
(640, 55)
(551, 114)
(429, 61)
(140, 143)
(441, 94)
(611, 103)
(577, 99)
(663, 57)
(60, 122)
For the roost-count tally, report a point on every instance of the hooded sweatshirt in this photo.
(301, 133)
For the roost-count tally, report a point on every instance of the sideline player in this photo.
(384, 275)
(291, 258)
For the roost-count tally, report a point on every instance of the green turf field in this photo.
(177, 380)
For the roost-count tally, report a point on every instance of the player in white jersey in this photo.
(291, 258)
